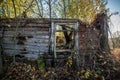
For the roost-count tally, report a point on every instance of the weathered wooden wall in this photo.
(29, 41)
(33, 35)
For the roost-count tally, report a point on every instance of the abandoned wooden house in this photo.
(30, 38)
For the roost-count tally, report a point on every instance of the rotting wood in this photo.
(28, 29)
(36, 46)
(86, 44)
(27, 36)
(10, 52)
(29, 25)
(9, 40)
(65, 30)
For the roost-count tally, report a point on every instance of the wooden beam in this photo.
(53, 38)
(77, 38)
(55, 42)
(64, 50)
(64, 30)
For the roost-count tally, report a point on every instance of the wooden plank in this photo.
(65, 20)
(9, 40)
(32, 56)
(42, 32)
(11, 52)
(24, 22)
(64, 23)
(27, 47)
(42, 37)
(64, 50)
(37, 49)
(65, 30)
(36, 44)
(16, 52)
(28, 25)
(38, 25)
(27, 35)
(14, 47)
(9, 35)
(42, 20)
(27, 29)
(53, 40)
(24, 32)
(36, 40)
(27, 20)
(36, 32)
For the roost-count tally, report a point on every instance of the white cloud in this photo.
(115, 19)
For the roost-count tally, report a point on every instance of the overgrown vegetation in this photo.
(94, 66)
(105, 68)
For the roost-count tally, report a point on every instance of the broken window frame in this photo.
(54, 23)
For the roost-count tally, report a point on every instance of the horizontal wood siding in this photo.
(32, 39)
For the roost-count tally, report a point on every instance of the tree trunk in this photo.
(64, 4)
(68, 37)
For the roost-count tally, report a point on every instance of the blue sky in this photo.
(114, 6)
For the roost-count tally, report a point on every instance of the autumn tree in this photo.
(85, 10)
(21, 8)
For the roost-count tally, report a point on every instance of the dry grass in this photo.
(116, 53)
